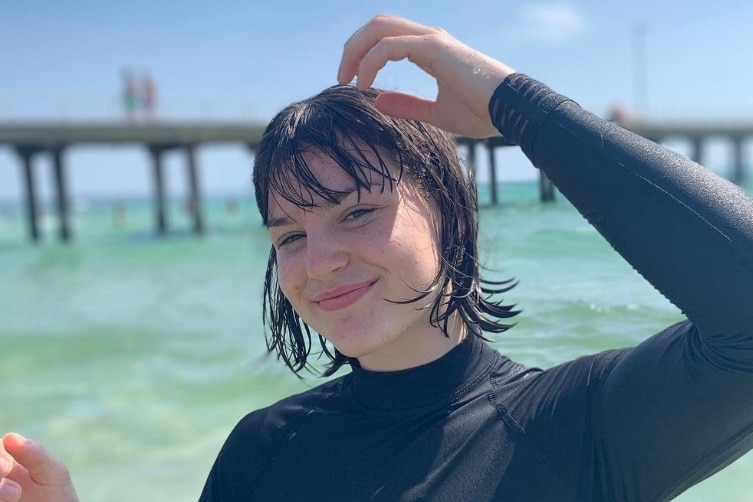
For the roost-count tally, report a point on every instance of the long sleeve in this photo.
(685, 229)
(678, 407)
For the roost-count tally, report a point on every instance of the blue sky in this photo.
(244, 60)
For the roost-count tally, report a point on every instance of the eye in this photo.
(289, 239)
(359, 213)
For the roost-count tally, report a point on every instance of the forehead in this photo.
(331, 174)
(314, 177)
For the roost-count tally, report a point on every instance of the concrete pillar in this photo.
(252, 150)
(492, 172)
(61, 193)
(194, 192)
(738, 160)
(696, 149)
(30, 190)
(546, 188)
(158, 176)
(471, 158)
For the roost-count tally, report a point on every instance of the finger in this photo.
(6, 462)
(10, 491)
(405, 106)
(43, 468)
(363, 40)
(9, 468)
(414, 48)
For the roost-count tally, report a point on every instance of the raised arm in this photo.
(685, 229)
(679, 406)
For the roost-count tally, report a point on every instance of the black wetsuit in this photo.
(639, 424)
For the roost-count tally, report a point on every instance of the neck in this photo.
(416, 349)
(436, 382)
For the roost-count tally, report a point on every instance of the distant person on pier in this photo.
(130, 95)
(148, 90)
(374, 270)
(621, 115)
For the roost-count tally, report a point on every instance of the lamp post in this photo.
(640, 74)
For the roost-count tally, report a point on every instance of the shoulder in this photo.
(551, 409)
(528, 393)
(265, 426)
(254, 443)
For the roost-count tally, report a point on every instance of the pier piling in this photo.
(158, 176)
(30, 190)
(492, 171)
(194, 193)
(696, 149)
(738, 161)
(61, 193)
(471, 157)
(546, 188)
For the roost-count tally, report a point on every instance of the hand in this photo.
(465, 78)
(31, 473)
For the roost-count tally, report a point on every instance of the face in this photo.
(339, 265)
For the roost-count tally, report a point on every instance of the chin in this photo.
(354, 348)
(351, 350)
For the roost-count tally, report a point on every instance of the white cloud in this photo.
(551, 24)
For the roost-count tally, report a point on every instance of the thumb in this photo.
(405, 106)
(42, 467)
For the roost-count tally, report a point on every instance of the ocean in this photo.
(132, 356)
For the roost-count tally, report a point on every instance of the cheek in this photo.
(421, 242)
(416, 258)
(290, 278)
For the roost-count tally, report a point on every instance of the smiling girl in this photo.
(373, 263)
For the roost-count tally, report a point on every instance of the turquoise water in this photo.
(132, 356)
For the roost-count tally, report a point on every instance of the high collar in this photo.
(438, 381)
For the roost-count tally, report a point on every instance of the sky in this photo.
(245, 60)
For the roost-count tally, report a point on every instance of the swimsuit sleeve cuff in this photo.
(520, 106)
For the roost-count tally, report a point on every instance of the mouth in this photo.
(343, 296)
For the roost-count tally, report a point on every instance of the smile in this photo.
(342, 297)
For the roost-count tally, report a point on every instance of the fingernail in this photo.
(24, 439)
(4, 465)
(10, 490)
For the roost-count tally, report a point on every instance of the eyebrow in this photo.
(339, 197)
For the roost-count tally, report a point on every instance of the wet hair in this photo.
(341, 123)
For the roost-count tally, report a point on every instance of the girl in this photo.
(374, 263)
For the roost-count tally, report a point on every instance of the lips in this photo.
(342, 296)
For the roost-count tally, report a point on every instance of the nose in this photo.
(325, 255)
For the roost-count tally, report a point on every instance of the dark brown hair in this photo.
(340, 123)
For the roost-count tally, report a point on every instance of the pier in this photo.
(30, 140)
(697, 135)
